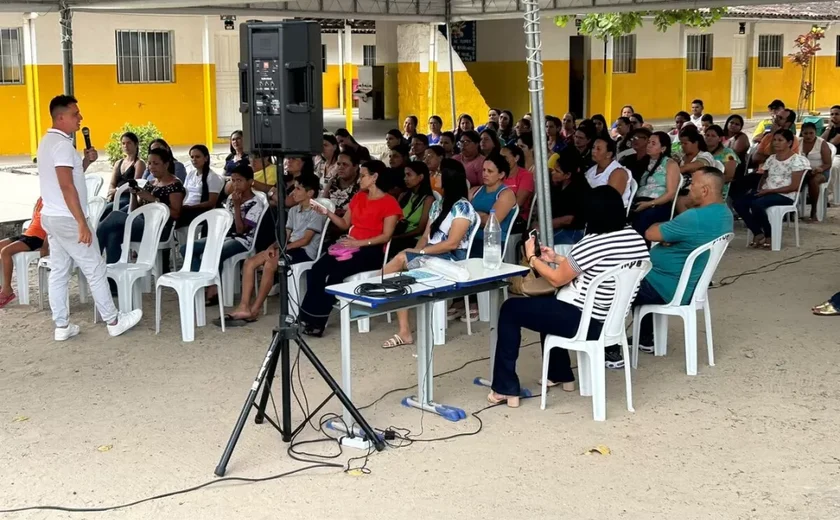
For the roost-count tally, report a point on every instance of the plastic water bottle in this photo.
(492, 243)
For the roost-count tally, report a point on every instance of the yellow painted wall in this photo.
(773, 84)
(505, 85)
(14, 134)
(713, 87)
(414, 95)
(655, 90)
(827, 84)
(175, 108)
(598, 101)
(330, 84)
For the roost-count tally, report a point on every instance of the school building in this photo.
(180, 71)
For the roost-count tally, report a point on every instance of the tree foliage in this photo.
(612, 25)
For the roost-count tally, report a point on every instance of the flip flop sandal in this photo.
(511, 400)
(454, 313)
(396, 341)
(472, 316)
(826, 309)
(7, 300)
(230, 321)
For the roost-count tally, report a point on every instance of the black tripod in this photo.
(286, 332)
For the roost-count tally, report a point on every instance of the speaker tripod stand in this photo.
(286, 332)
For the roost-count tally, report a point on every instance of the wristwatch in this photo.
(422, 251)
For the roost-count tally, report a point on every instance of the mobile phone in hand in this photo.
(536, 236)
(132, 183)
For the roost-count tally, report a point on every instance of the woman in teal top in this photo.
(658, 185)
(415, 202)
(493, 195)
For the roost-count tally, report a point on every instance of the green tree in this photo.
(612, 25)
(145, 134)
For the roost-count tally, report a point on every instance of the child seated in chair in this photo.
(303, 234)
(246, 209)
(32, 239)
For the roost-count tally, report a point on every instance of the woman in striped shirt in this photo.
(607, 244)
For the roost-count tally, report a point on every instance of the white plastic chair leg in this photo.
(124, 296)
(598, 374)
(707, 314)
(136, 293)
(187, 307)
(221, 309)
(795, 229)
(483, 306)
(228, 286)
(584, 374)
(627, 376)
(637, 328)
(21, 267)
(157, 310)
(690, 327)
(544, 378)
(467, 309)
(364, 325)
(42, 286)
(200, 309)
(84, 291)
(660, 334)
(439, 322)
(822, 203)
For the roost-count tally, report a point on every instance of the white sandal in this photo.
(396, 341)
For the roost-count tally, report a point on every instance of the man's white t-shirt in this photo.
(56, 149)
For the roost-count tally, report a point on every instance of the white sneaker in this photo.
(67, 332)
(125, 321)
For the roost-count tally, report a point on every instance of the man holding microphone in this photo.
(64, 217)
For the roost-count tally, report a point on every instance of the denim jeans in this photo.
(546, 315)
(753, 210)
(230, 248)
(642, 220)
(567, 236)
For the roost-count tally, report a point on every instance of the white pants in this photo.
(65, 252)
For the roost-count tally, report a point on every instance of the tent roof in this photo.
(430, 10)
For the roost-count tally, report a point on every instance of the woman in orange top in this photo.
(370, 218)
(33, 238)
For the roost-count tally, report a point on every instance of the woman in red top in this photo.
(33, 238)
(371, 218)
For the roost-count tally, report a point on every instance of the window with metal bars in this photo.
(624, 54)
(770, 51)
(145, 57)
(699, 52)
(11, 57)
(369, 55)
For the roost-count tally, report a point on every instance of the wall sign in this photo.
(463, 39)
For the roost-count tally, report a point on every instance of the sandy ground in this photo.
(754, 437)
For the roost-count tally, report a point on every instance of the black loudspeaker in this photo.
(280, 87)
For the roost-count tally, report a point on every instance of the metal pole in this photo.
(535, 87)
(451, 64)
(66, 22)
(432, 70)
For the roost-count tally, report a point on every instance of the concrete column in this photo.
(30, 70)
(207, 73)
(752, 66)
(683, 53)
(341, 59)
(387, 57)
(432, 75)
(348, 78)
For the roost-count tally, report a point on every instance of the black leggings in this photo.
(317, 304)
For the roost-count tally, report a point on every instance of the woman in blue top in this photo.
(447, 236)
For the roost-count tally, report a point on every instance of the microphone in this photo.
(86, 133)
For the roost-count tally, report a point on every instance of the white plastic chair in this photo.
(96, 207)
(364, 323)
(439, 309)
(634, 187)
(231, 277)
(21, 262)
(677, 196)
(776, 216)
(822, 202)
(590, 353)
(688, 313)
(834, 179)
(297, 280)
(126, 274)
(94, 183)
(189, 285)
(484, 298)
